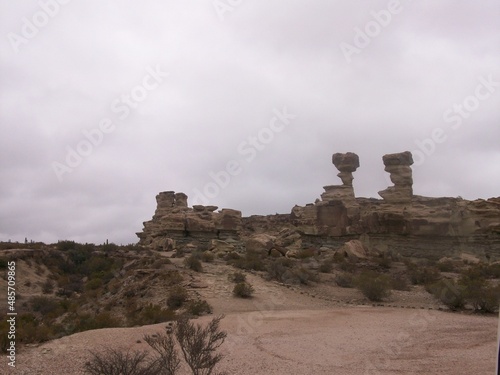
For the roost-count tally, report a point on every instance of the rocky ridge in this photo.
(400, 222)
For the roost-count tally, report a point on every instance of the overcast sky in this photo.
(106, 103)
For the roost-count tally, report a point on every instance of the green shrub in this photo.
(178, 295)
(193, 263)
(449, 292)
(373, 285)
(345, 280)
(243, 290)
(199, 308)
(237, 277)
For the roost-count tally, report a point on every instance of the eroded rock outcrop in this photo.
(175, 224)
(399, 166)
(400, 222)
(347, 164)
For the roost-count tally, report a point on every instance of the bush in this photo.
(93, 284)
(114, 362)
(326, 266)
(345, 280)
(171, 277)
(421, 275)
(400, 282)
(299, 275)
(373, 285)
(446, 266)
(237, 277)
(348, 266)
(199, 308)
(232, 255)
(384, 261)
(243, 290)
(178, 295)
(152, 314)
(249, 262)
(277, 268)
(193, 263)
(199, 345)
(45, 306)
(483, 297)
(207, 257)
(306, 253)
(3, 263)
(47, 287)
(449, 292)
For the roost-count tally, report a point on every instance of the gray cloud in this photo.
(225, 81)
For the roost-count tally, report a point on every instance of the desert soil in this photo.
(305, 330)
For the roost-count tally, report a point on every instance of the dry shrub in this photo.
(373, 285)
(178, 295)
(243, 290)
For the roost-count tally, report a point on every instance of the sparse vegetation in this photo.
(193, 263)
(345, 280)
(198, 308)
(326, 266)
(373, 285)
(248, 262)
(207, 257)
(237, 277)
(178, 295)
(422, 275)
(198, 346)
(449, 292)
(243, 290)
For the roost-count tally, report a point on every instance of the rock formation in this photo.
(346, 164)
(401, 222)
(174, 223)
(398, 165)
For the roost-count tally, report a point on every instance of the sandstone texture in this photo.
(401, 222)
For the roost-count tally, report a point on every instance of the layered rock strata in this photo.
(400, 222)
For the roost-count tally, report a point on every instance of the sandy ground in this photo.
(305, 330)
(358, 340)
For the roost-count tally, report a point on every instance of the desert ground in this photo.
(289, 330)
